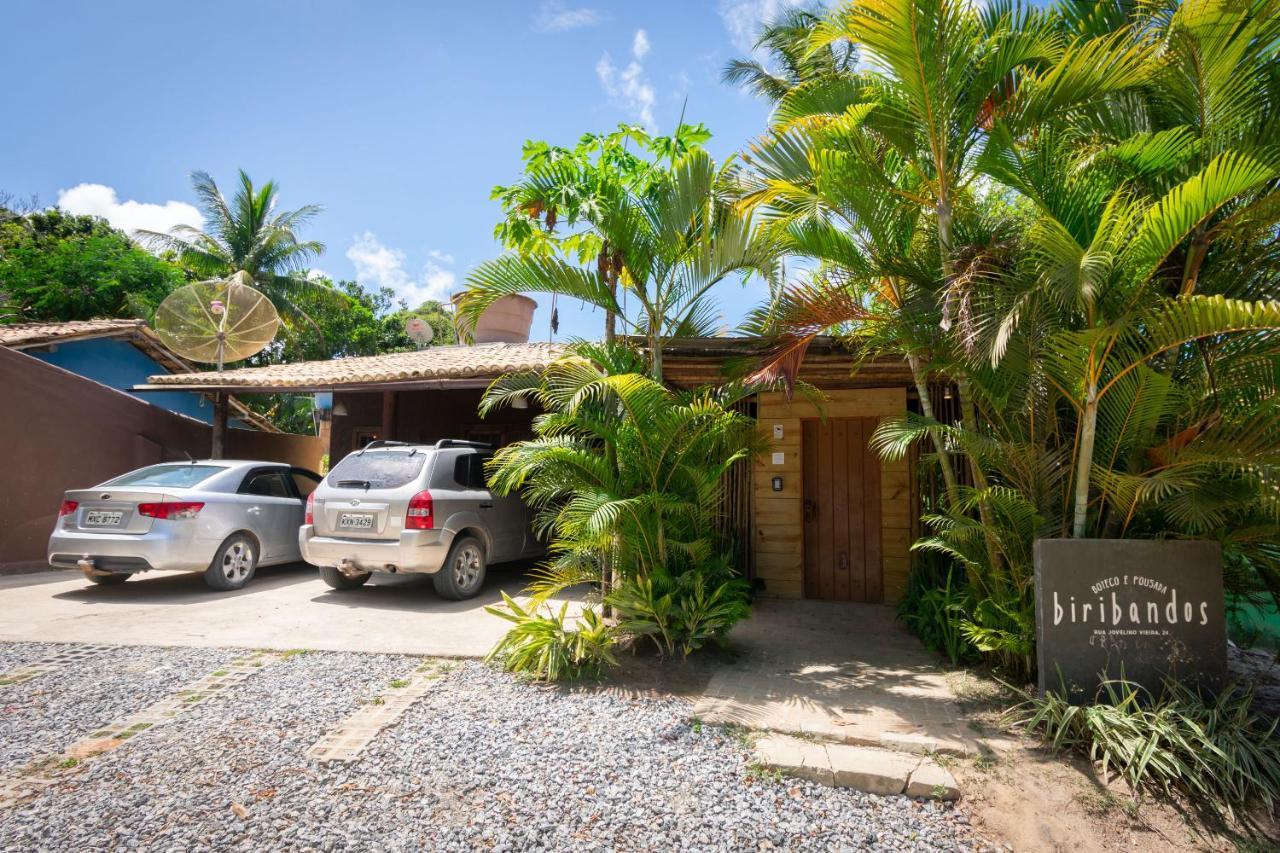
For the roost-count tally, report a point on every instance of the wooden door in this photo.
(841, 485)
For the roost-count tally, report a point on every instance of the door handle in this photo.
(486, 505)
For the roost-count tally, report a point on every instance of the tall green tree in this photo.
(55, 267)
(247, 233)
(657, 227)
(790, 60)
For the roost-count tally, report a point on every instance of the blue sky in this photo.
(398, 117)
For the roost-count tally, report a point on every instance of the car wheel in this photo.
(338, 580)
(234, 563)
(463, 571)
(109, 580)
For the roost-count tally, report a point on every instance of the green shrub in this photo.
(936, 606)
(547, 647)
(683, 612)
(1219, 754)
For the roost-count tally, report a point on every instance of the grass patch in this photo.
(399, 682)
(743, 736)
(756, 770)
(140, 727)
(220, 673)
(289, 655)
(68, 763)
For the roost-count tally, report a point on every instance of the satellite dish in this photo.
(217, 321)
(419, 331)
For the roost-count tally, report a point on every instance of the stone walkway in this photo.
(837, 672)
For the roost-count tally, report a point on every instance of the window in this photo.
(378, 469)
(266, 484)
(177, 476)
(304, 481)
(468, 471)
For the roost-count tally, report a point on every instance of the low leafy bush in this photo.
(682, 612)
(1218, 753)
(546, 646)
(936, 606)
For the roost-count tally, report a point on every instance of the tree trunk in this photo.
(610, 318)
(968, 414)
(1084, 463)
(926, 406)
(655, 352)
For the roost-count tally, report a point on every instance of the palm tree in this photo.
(247, 234)
(666, 243)
(621, 464)
(786, 41)
(902, 141)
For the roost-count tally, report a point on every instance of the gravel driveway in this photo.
(482, 760)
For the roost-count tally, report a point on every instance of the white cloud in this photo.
(128, 216)
(554, 17)
(382, 266)
(744, 18)
(628, 87)
(442, 257)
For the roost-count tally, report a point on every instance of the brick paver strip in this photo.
(348, 740)
(58, 660)
(40, 774)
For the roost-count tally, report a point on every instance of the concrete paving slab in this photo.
(875, 771)
(843, 673)
(284, 607)
(795, 757)
(932, 780)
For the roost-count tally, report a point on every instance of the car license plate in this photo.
(98, 518)
(356, 520)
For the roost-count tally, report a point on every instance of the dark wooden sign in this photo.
(1145, 609)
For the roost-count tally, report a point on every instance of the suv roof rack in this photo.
(457, 442)
(381, 443)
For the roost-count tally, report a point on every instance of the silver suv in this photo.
(413, 508)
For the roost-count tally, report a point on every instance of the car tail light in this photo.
(311, 509)
(420, 515)
(67, 508)
(171, 509)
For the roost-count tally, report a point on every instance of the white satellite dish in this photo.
(419, 331)
(217, 321)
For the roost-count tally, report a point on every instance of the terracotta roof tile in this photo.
(446, 362)
(30, 334)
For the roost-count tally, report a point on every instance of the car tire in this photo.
(462, 575)
(109, 580)
(233, 564)
(338, 580)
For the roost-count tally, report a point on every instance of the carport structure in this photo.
(819, 516)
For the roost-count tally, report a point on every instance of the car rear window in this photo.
(380, 469)
(177, 476)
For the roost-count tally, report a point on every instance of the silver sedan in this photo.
(220, 517)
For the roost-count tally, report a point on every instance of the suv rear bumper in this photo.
(415, 552)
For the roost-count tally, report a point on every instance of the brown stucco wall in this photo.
(61, 431)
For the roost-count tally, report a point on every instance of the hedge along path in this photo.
(45, 772)
(62, 659)
(357, 731)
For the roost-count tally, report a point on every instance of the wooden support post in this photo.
(219, 449)
(388, 415)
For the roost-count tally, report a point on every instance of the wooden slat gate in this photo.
(842, 530)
